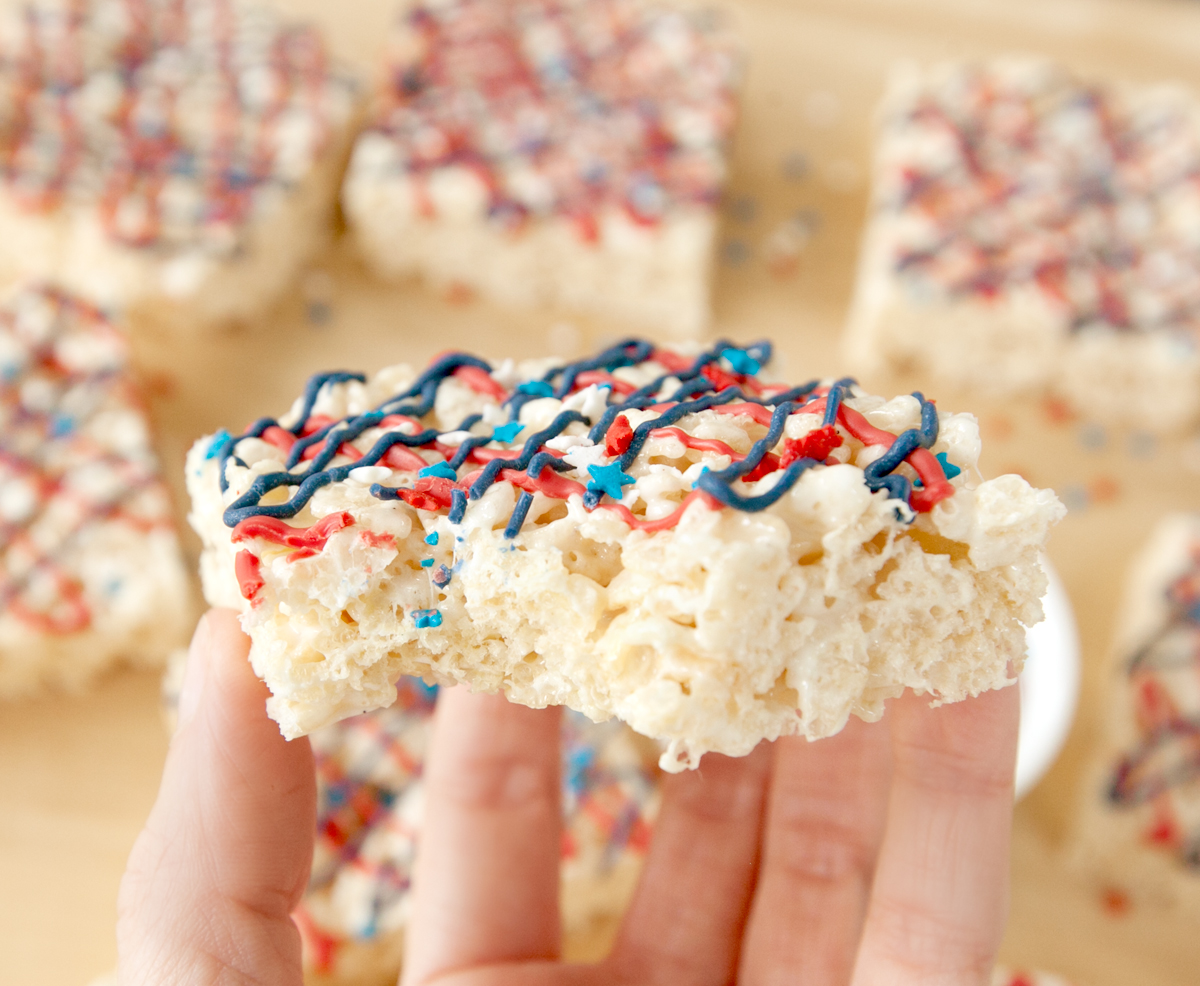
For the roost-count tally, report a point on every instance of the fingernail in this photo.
(195, 673)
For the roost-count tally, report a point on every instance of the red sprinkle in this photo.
(1115, 901)
(377, 540)
(616, 441)
(815, 445)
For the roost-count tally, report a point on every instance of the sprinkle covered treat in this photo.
(1141, 818)
(1031, 229)
(678, 541)
(90, 572)
(175, 158)
(563, 152)
(369, 817)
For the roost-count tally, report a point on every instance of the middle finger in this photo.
(825, 822)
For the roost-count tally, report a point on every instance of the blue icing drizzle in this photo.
(694, 391)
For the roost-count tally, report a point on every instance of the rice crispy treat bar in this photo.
(370, 809)
(678, 541)
(1032, 229)
(1141, 818)
(90, 571)
(557, 152)
(176, 159)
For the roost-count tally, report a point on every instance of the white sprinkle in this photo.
(366, 475)
(454, 438)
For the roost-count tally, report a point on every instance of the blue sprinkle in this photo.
(948, 467)
(536, 388)
(744, 209)
(438, 469)
(427, 563)
(214, 447)
(735, 253)
(609, 479)
(432, 539)
(61, 424)
(506, 433)
(1093, 437)
(796, 166)
(427, 618)
(318, 312)
(1142, 445)
(441, 578)
(741, 361)
(1075, 497)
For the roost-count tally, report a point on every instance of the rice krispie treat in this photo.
(90, 572)
(556, 152)
(711, 556)
(370, 808)
(1030, 228)
(1141, 819)
(178, 159)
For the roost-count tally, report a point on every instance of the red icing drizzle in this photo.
(276, 531)
(246, 567)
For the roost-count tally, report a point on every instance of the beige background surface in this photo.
(78, 774)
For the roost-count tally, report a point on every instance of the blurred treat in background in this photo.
(90, 570)
(1033, 229)
(550, 153)
(176, 159)
(1140, 823)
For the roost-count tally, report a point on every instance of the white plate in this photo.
(1049, 685)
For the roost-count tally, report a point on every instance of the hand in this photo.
(879, 856)
(224, 858)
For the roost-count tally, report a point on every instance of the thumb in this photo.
(225, 854)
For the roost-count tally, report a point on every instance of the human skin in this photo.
(877, 857)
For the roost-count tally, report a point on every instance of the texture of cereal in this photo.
(712, 556)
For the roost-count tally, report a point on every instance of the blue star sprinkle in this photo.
(536, 388)
(506, 433)
(948, 467)
(741, 361)
(438, 469)
(609, 479)
(432, 539)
